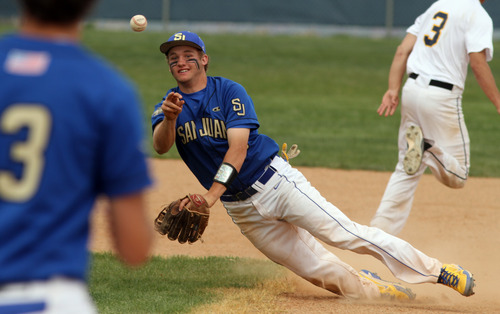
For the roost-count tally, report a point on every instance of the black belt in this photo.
(436, 83)
(249, 191)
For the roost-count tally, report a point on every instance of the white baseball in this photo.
(138, 23)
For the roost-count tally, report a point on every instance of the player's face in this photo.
(186, 63)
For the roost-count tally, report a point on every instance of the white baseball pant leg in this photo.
(54, 296)
(439, 114)
(287, 213)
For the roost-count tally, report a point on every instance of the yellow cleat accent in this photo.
(389, 290)
(457, 278)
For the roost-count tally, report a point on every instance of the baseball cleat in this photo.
(389, 290)
(414, 154)
(457, 278)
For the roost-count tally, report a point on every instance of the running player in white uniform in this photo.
(64, 115)
(213, 123)
(435, 54)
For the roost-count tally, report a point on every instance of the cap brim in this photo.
(166, 46)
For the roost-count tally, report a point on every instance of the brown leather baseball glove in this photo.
(186, 224)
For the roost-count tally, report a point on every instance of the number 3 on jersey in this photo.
(437, 28)
(30, 153)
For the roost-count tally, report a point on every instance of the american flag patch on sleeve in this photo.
(28, 63)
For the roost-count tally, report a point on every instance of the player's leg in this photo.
(58, 295)
(396, 204)
(302, 205)
(444, 125)
(297, 250)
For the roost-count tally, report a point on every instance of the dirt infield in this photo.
(455, 226)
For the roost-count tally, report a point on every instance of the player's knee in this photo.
(457, 183)
(460, 184)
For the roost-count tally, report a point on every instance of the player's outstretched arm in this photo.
(484, 77)
(164, 132)
(130, 228)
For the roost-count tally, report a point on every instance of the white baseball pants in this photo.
(284, 217)
(55, 296)
(439, 114)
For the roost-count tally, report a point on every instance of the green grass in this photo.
(319, 92)
(173, 285)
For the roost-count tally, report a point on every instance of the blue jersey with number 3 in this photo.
(201, 131)
(70, 129)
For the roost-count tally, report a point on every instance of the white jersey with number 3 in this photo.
(441, 51)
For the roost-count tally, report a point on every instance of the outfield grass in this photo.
(319, 92)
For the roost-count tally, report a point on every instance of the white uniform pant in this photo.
(55, 296)
(283, 218)
(439, 114)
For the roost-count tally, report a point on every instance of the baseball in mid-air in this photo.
(138, 23)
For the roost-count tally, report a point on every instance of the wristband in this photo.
(226, 174)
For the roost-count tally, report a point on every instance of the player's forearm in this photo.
(130, 229)
(485, 78)
(235, 156)
(164, 136)
(397, 71)
(214, 193)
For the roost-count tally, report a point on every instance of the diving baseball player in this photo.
(213, 123)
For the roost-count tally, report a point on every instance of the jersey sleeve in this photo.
(122, 158)
(415, 28)
(479, 34)
(239, 108)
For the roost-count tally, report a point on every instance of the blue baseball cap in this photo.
(184, 38)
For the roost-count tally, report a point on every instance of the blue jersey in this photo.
(201, 132)
(70, 129)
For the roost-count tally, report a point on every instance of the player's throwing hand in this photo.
(172, 106)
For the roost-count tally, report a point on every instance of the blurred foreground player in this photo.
(64, 118)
